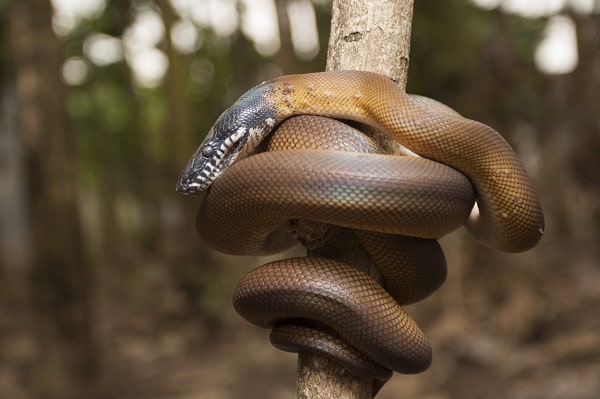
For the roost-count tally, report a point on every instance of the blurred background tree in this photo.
(144, 82)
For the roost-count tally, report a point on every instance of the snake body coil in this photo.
(307, 173)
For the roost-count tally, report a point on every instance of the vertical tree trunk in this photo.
(371, 36)
(368, 35)
(64, 366)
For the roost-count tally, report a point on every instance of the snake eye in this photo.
(207, 151)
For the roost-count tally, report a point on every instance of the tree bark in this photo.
(59, 280)
(368, 35)
(321, 378)
(371, 36)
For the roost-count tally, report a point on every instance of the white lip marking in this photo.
(239, 133)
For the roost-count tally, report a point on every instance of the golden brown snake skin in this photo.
(249, 206)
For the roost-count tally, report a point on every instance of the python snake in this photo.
(318, 169)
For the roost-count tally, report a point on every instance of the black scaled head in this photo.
(235, 134)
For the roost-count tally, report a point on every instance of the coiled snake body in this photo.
(321, 170)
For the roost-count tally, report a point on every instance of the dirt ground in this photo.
(520, 330)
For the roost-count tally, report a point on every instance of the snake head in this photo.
(210, 160)
(235, 134)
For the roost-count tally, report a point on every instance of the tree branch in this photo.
(368, 35)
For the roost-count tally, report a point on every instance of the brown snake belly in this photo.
(320, 170)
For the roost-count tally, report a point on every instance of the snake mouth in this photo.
(188, 186)
(198, 175)
(195, 181)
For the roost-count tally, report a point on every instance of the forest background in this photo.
(105, 289)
